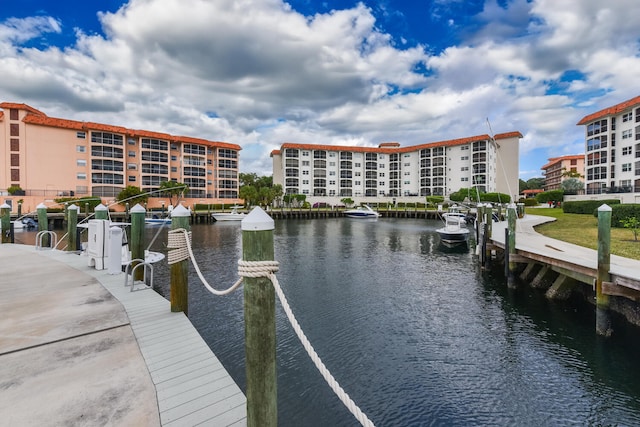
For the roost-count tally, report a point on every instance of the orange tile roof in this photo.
(390, 148)
(554, 160)
(30, 109)
(36, 117)
(610, 111)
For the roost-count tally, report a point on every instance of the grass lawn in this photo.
(582, 230)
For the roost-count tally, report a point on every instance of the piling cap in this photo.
(72, 206)
(5, 206)
(137, 209)
(41, 206)
(605, 208)
(101, 207)
(180, 211)
(257, 220)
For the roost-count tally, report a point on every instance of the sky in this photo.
(259, 73)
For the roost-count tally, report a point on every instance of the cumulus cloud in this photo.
(261, 73)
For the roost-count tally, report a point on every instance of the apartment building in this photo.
(50, 157)
(560, 168)
(612, 148)
(392, 171)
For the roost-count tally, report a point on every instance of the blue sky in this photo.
(260, 73)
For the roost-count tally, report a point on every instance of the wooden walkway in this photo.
(192, 386)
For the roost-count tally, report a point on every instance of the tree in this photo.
(572, 185)
(348, 201)
(258, 190)
(535, 183)
(633, 224)
(173, 189)
(132, 195)
(522, 185)
(571, 174)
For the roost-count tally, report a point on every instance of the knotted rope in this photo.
(179, 243)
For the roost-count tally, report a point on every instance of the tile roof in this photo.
(610, 111)
(36, 117)
(554, 160)
(394, 147)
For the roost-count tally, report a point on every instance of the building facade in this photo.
(556, 170)
(49, 157)
(612, 149)
(392, 171)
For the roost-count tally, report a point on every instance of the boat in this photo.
(363, 211)
(155, 220)
(25, 224)
(454, 231)
(234, 215)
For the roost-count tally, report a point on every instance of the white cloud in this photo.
(260, 73)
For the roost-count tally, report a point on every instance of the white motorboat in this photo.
(363, 211)
(234, 215)
(454, 231)
(157, 221)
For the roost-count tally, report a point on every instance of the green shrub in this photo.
(495, 198)
(550, 196)
(622, 213)
(529, 201)
(434, 200)
(586, 207)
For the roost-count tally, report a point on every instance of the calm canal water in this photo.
(416, 334)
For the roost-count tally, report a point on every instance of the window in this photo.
(81, 163)
(14, 129)
(174, 169)
(626, 151)
(15, 174)
(464, 179)
(627, 117)
(626, 167)
(132, 153)
(106, 138)
(81, 175)
(132, 166)
(174, 158)
(15, 144)
(131, 141)
(131, 178)
(154, 144)
(81, 135)
(627, 134)
(464, 147)
(13, 114)
(464, 158)
(464, 168)
(15, 160)
(81, 148)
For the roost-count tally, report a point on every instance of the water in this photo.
(415, 333)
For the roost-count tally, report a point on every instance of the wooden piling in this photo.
(603, 322)
(43, 224)
(5, 213)
(136, 245)
(72, 227)
(179, 293)
(101, 212)
(260, 323)
(510, 240)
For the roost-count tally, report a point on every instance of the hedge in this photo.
(621, 212)
(587, 207)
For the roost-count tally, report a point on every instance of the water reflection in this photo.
(416, 333)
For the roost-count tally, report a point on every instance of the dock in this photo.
(77, 347)
(543, 254)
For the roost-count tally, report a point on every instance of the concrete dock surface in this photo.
(78, 348)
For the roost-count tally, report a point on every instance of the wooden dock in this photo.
(542, 255)
(191, 385)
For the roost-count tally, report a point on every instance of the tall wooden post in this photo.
(136, 245)
(179, 295)
(43, 223)
(603, 322)
(511, 226)
(259, 323)
(72, 227)
(5, 213)
(101, 211)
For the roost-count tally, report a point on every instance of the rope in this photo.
(179, 243)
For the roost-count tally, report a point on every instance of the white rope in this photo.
(179, 245)
(179, 242)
